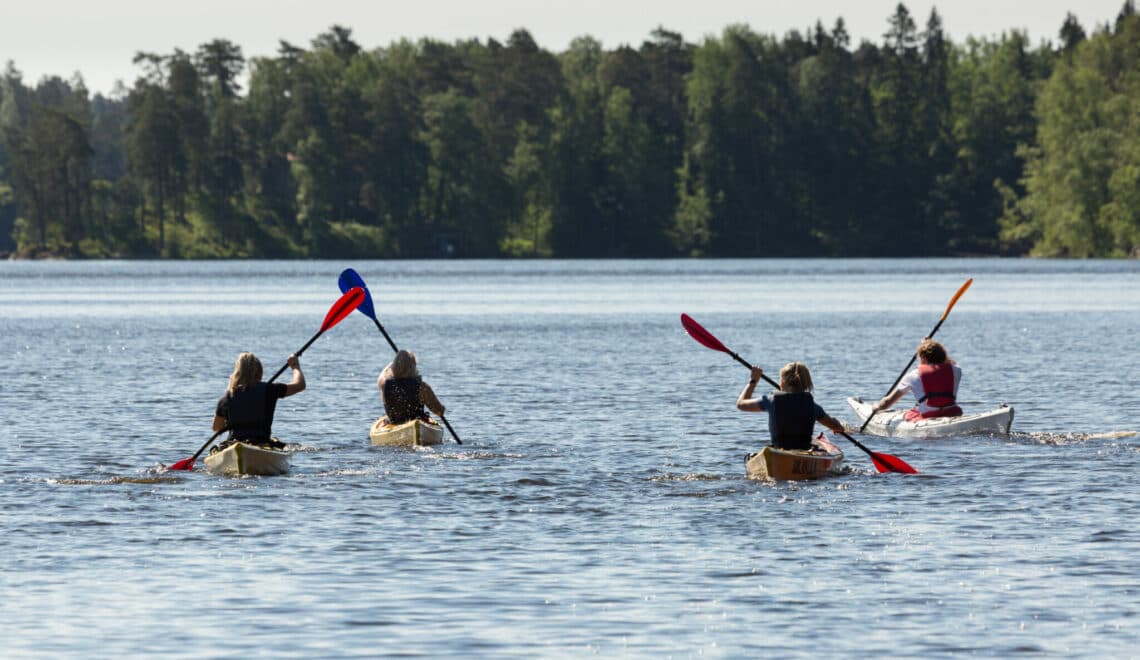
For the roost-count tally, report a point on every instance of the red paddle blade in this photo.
(343, 307)
(184, 464)
(888, 463)
(703, 337)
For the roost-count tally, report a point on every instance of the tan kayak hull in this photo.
(775, 464)
(241, 459)
(409, 434)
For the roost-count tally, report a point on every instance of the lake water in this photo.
(598, 504)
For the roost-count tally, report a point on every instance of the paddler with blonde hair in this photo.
(247, 407)
(792, 412)
(404, 392)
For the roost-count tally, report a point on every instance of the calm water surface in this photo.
(598, 503)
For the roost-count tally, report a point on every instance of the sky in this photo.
(99, 38)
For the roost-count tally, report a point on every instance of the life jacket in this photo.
(792, 420)
(937, 384)
(249, 414)
(938, 393)
(402, 400)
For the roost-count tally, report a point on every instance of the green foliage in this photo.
(690, 232)
(742, 145)
(1080, 180)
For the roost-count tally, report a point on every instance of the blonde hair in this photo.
(247, 372)
(401, 366)
(931, 352)
(795, 377)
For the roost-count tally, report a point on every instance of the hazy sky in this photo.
(99, 37)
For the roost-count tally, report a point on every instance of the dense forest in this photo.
(742, 145)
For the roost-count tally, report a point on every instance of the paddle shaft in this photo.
(201, 449)
(298, 353)
(385, 333)
(913, 357)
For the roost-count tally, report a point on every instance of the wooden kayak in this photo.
(892, 423)
(242, 459)
(795, 464)
(409, 434)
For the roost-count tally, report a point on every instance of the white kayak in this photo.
(892, 422)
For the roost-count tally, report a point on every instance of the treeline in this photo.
(742, 145)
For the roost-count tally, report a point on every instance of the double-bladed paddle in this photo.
(339, 310)
(350, 279)
(882, 462)
(961, 290)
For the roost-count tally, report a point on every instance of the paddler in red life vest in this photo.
(934, 384)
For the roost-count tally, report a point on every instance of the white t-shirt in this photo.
(912, 383)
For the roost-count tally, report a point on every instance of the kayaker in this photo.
(792, 412)
(934, 384)
(247, 407)
(404, 392)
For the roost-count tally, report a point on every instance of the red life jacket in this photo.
(937, 384)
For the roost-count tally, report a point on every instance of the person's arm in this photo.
(430, 399)
(831, 423)
(298, 382)
(745, 401)
(889, 400)
(221, 412)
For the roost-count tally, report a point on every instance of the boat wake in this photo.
(115, 481)
(687, 477)
(1069, 438)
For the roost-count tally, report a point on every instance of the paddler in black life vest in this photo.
(792, 412)
(934, 384)
(404, 393)
(248, 404)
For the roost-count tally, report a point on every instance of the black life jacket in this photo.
(249, 412)
(402, 400)
(792, 420)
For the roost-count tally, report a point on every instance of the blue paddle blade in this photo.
(349, 279)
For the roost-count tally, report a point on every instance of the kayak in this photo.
(408, 434)
(891, 423)
(795, 464)
(241, 458)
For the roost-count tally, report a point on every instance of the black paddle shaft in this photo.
(385, 333)
(913, 357)
(764, 376)
(298, 354)
(208, 443)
